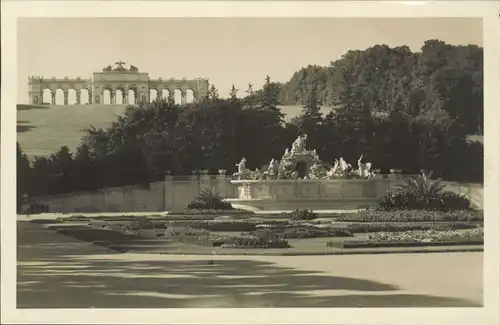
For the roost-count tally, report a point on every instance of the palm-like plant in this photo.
(422, 187)
(209, 200)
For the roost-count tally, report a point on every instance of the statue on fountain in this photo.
(272, 170)
(364, 168)
(243, 172)
(299, 145)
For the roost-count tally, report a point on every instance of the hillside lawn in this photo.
(42, 130)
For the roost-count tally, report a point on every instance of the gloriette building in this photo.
(131, 85)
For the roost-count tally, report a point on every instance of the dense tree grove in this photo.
(403, 110)
(441, 77)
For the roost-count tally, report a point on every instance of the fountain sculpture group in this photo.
(315, 169)
(301, 180)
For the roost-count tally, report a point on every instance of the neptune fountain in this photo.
(301, 180)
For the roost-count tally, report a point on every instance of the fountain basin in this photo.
(317, 195)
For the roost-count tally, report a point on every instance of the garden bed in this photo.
(298, 232)
(388, 244)
(366, 227)
(411, 216)
(416, 238)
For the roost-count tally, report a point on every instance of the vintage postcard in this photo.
(250, 162)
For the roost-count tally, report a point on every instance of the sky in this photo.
(225, 50)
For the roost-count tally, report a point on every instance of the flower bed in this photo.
(226, 225)
(212, 212)
(410, 216)
(256, 242)
(396, 244)
(190, 235)
(366, 227)
(430, 235)
(202, 237)
(416, 238)
(303, 232)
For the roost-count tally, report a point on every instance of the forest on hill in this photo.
(383, 79)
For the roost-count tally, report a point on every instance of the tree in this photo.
(268, 98)
(233, 94)
(23, 177)
(213, 94)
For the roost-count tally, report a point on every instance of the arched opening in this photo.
(47, 97)
(84, 96)
(106, 97)
(153, 95)
(132, 97)
(120, 100)
(72, 97)
(189, 96)
(165, 93)
(178, 96)
(59, 97)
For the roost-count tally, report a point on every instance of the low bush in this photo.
(37, 207)
(303, 214)
(370, 215)
(443, 202)
(303, 232)
(209, 200)
(419, 192)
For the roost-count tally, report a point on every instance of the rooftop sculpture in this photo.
(313, 167)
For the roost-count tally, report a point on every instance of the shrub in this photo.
(411, 216)
(37, 207)
(454, 201)
(303, 214)
(419, 192)
(209, 200)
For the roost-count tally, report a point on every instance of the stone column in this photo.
(90, 97)
(125, 97)
(112, 97)
(171, 95)
(53, 94)
(65, 98)
(183, 98)
(78, 102)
